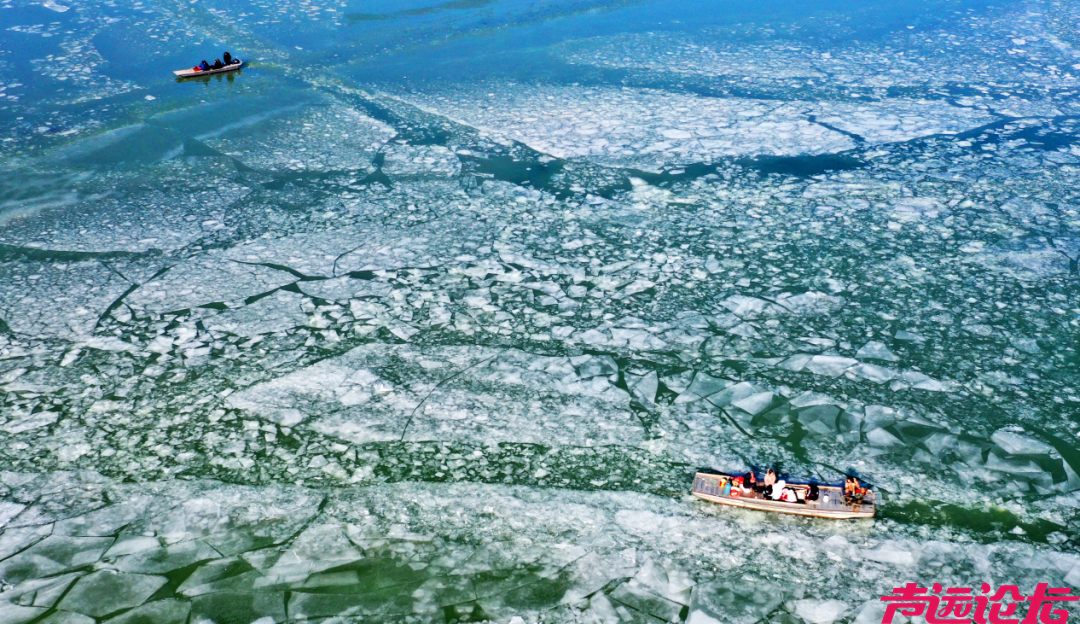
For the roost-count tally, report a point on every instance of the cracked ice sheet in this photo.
(463, 393)
(312, 138)
(347, 249)
(209, 278)
(57, 299)
(679, 54)
(405, 161)
(276, 312)
(635, 126)
(894, 120)
(602, 548)
(119, 213)
(979, 52)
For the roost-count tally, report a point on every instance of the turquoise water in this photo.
(432, 310)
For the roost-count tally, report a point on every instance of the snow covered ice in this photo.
(431, 312)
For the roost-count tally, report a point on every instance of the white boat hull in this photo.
(191, 73)
(706, 487)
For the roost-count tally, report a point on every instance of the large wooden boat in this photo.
(192, 73)
(829, 504)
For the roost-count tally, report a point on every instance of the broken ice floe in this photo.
(250, 553)
(378, 392)
(403, 161)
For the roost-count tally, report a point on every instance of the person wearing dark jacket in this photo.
(218, 64)
(227, 58)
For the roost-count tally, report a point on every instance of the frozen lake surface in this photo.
(431, 311)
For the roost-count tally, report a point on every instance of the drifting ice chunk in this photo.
(744, 306)
(734, 393)
(755, 404)
(703, 386)
(820, 611)
(277, 312)
(1016, 444)
(318, 548)
(938, 442)
(104, 591)
(890, 552)
(806, 399)
(882, 439)
(723, 601)
(168, 611)
(796, 363)
(1019, 467)
(875, 350)
(830, 365)
(30, 422)
(872, 372)
(420, 160)
(871, 612)
(644, 388)
(15, 614)
(634, 595)
(920, 381)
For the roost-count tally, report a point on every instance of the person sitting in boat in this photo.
(204, 66)
(218, 64)
(227, 58)
(853, 491)
(750, 482)
(769, 483)
(776, 490)
(813, 493)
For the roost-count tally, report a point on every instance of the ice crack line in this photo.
(437, 386)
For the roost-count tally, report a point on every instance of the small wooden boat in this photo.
(192, 73)
(829, 504)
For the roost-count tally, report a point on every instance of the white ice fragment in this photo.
(830, 365)
(871, 612)
(70, 357)
(30, 422)
(9, 510)
(756, 403)
(642, 522)
(882, 439)
(703, 385)
(105, 591)
(637, 286)
(920, 381)
(1017, 444)
(875, 350)
(907, 336)
(160, 344)
(796, 362)
(892, 553)
(820, 611)
(743, 306)
(746, 330)
(807, 399)
(11, 375)
(872, 372)
(674, 133)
